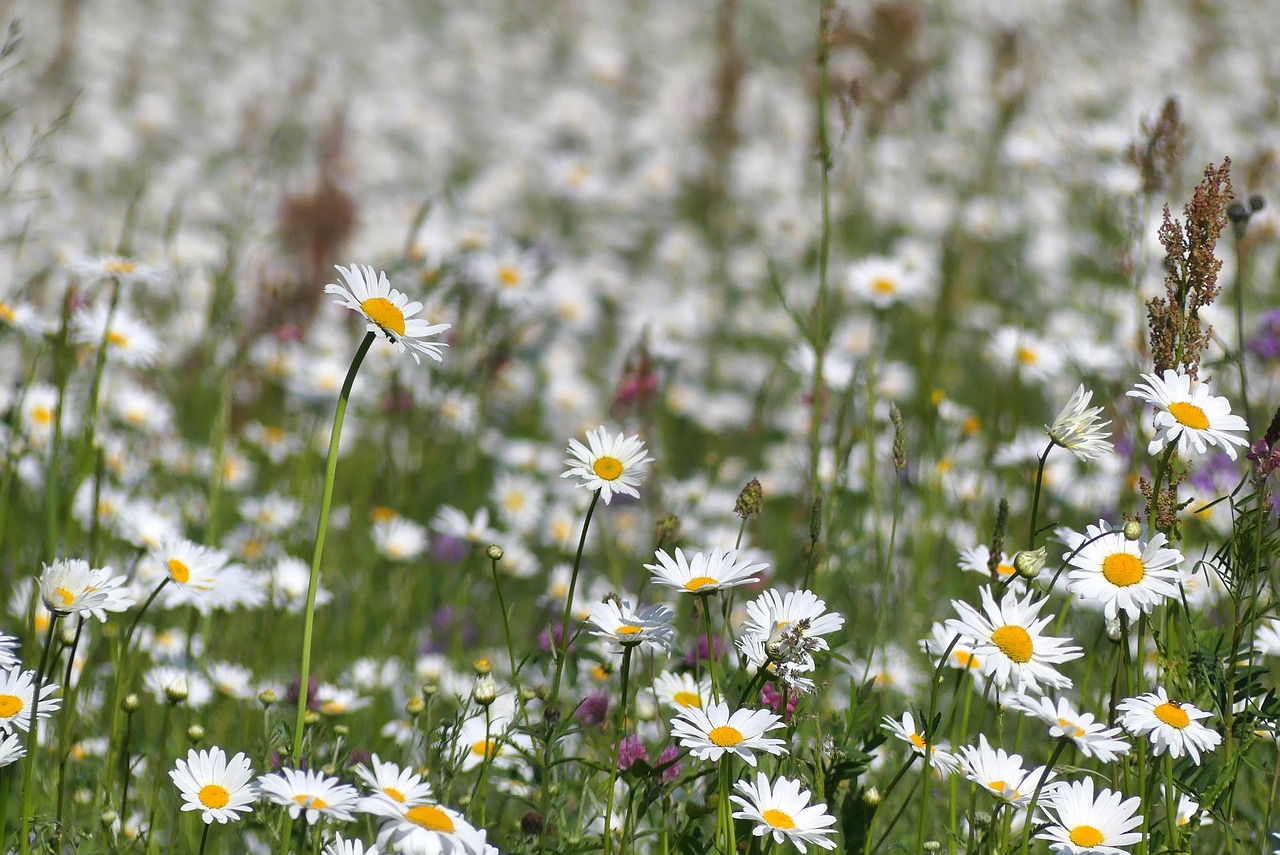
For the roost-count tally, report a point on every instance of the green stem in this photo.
(818, 333)
(166, 723)
(331, 470)
(506, 628)
(617, 748)
(68, 698)
(204, 837)
(1035, 797)
(1035, 500)
(32, 732)
(725, 807)
(711, 647)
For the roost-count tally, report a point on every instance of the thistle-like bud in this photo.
(494, 552)
(997, 539)
(195, 733)
(815, 519)
(1132, 530)
(1029, 562)
(899, 439)
(750, 501)
(531, 824)
(668, 528)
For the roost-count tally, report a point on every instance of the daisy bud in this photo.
(67, 635)
(932, 846)
(871, 796)
(494, 552)
(1029, 562)
(429, 691)
(195, 733)
(341, 730)
(486, 690)
(1132, 530)
(311, 717)
(268, 698)
(108, 818)
(176, 692)
(131, 703)
(482, 667)
(414, 707)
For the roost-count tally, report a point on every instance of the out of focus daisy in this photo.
(782, 810)
(940, 755)
(221, 789)
(1083, 823)
(1078, 428)
(610, 464)
(1265, 642)
(311, 794)
(881, 282)
(941, 640)
(341, 846)
(388, 311)
(17, 696)
(1189, 415)
(493, 741)
(710, 734)
(1122, 575)
(623, 627)
(13, 748)
(128, 340)
(452, 522)
(679, 691)
(705, 572)
(1189, 811)
(1170, 725)
(1007, 637)
(1093, 738)
(399, 539)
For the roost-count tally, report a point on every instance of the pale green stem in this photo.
(33, 730)
(617, 749)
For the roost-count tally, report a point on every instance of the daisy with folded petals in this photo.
(1122, 575)
(221, 789)
(1170, 725)
(709, 735)
(782, 810)
(1008, 641)
(1085, 823)
(312, 794)
(1001, 773)
(73, 587)
(1187, 414)
(426, 829)
(610, 464)
(623, 627)
(16, 697)
(1093, 738)
(388, 311)
(704, 572)
(1078, 428)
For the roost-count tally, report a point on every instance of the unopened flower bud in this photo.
(932, 846)
(67, 635)
(1029, 562)
(176, 691)
(429, 691)
(108, 818)
(494, 552)
(195, 733)
(131, 703)
(486, 690)
(1132, 530)
(414, 707)
(750, 501)
(871, 796)
(341, 730)
(481, 667)
(310, 717)
(268, 698)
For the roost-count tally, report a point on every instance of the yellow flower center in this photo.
(213, 796)
(629, 629)
(998, 786)
(1172, 714)
(1189, 415)
(508, 275)
(965, 658)
(1086, 836)
(1027, 356)
(699, 582)
(1184, 820)
(917, 740)
(725, 736)
(514, 502)
(1005, 569)
(67, 597)
(687, 699)
(179, 571)
(883, 285)
(430, 818)
(1122, 569)
(971, 425)
(116, 339)
(608, 468)
(7, 313)
(486, 748)
(333, 708)
(778, 819)
(1070, 728)
(42, 415)
(1014, 642)
(10, 705)
(382, 514)
(599, 674)
(120, 267)
(384, 313)
(310, 802)
(393, 794)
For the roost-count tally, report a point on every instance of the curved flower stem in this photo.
(711, 647)
(331, 469)
(506, 627)
(32, 731)
(204, 837)
(1035, 500)
(1035, 797)
(617, 748)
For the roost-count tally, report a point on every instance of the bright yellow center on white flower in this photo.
(778, 819)
(514, 502)
(430, 818)
(67, 597)
(965, 658)
(10, 705)
(699, 582)
(608, 468)
(393, 794)
(1014, 642)
(384, 313)
(1172, 715)
(687, 699)
(1189, 415)
(1070, 728)
(116, 339)
(628, 629)
(917, 740)
(42, 415)
(213, 796)
(179, 571)
(120, 267)
(7, 313)
(486, 748)
(883, 285)
(1005, 569)
(509, 276)
(333, 708)
(1086, 836)
(1122, 569)
(1027, 356)
(310, 802)
(725, 736)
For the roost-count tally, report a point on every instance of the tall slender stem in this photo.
(617, 748)
(32, 733)
(1035, 500)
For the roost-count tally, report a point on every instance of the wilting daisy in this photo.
(1186, 413)
(782, 809)
(705, 572)
(310, 793)
(222, 789)
(610, 464)
(679, 691)
(1001, 773)
(708, 735)
(623, 627)
(939, 753)
(1078, 428)
(388, 311)
(1008, 642)
(1093, 738)
(1171, 726)
(73, 587)
(1085, 824)
(1130, 576)
(389, 781)
(341, 846)
(426, 829)
(16, 697)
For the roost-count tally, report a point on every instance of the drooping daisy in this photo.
(221, 789)
(704, 572)
(1093, 738)
(341, 846)
(1085, 824)
(388, 311)
(782, 809)
(16, 697)
(940, 755)
(426, 829)
(310, 793)
(1133, 576)
(1007, 638)
(73, 587)
(1170, 725)
(1078, 428)
(389, 781)
(709, 734)
(623, 627)
(610, 464)
(1187, 414)
(679, 691)
(1001, 773)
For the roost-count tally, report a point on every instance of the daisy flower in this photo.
(1093, 738)
(388, 311)
(190, 565)
(883, 281)
(1001, 773)
(1007, 638)
(1189, 810)
(617, 623)
(73, 587)
(680, 691)
(1133, 576)
(8, 646)
(1083, 823)
(399, 539)
(426, 829)
(1186, 413)
(782, 809)
(389, 781)
(17, 696)
(128, 341)
(610, 464)
(1078, 429)
(222, 789)
(939, 753)
(341, 846)
(310, 793)
(708, 735)
(1265, 642)
(705, 572)
(802, 611)
(940, 641)
(1171, 726)
(451, 522)
(12, 748)
(494, 740)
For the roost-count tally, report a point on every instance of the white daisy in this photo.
(310, 793)
(128, 340)
(16, 697)
(1078, 428)
(940, 641)
(73, 587)
(709, 734)
(388, 311)
(8, 646)
(494, 740)
(341, 846)
(940, 753)
(679, 691)
(221, 789)
(883, 281)
(389, 781)
(13, 747)
(800, 611)
(1001, 773)
(1007, 638)
(426, 829)
(782, 809)
(1133, 576)
(610, 464)
(452, 522)
(623, 627)
(1093, 738)
(399, 539)
(1186, 413)
(1085, 824)
(1170, 725)
(705, 572)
